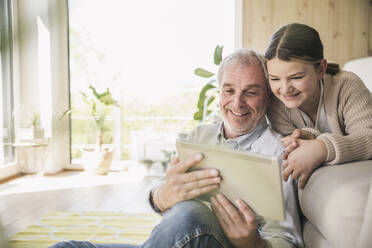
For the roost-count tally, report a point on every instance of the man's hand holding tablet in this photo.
(182, 184)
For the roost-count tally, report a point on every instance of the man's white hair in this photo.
(243, 57)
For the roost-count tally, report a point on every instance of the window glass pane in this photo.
(145, 52)
(6, 104)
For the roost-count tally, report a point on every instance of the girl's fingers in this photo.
(297, 134)
(287, 172)
(285, 165)
(291, 147)
(285, 156)
(286, 141)
(296, 174)
(303, 180)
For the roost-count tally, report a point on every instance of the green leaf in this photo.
(67, 112)
(203, 73)
(203, 94)
(210, 100)
(218, 54)
(94, 91)
(84, 97)
(202, 97)
(94, 108)
(107, 99)
(198, 115)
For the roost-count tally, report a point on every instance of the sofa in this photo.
(337, 206)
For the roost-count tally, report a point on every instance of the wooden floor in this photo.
(24, 200)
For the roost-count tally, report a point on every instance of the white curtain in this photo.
(43, 48)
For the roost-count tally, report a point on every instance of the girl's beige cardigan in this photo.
(348, 106)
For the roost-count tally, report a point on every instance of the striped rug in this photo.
(90, 226)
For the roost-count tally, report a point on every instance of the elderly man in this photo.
(244, 97)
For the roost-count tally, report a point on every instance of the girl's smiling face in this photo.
(294, 83)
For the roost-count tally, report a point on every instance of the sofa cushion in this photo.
(313, 238)
(365, 237)
(334, 201)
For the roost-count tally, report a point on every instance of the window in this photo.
(6, 103)
(145, 52)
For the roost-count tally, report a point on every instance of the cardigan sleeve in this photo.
(355, 108)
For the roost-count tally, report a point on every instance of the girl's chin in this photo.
(291, 104)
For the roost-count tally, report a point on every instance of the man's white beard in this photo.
(234, 131)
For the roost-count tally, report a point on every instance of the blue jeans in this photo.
(188, 224)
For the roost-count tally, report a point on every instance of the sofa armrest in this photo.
(334, 201)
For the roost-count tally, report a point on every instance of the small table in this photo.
(31, 157)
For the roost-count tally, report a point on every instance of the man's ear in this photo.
(322, 68)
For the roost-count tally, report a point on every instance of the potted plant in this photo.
(98, 160)
(207, 107)
(28, 125)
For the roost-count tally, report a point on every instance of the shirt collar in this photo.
(244, 141)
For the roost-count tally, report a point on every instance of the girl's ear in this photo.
(322, 68)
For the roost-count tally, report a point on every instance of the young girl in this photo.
(326, 112)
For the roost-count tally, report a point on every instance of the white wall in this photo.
(363, 68)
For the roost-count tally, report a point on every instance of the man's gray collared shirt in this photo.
(262, 139)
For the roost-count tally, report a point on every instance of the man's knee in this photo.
(61, 245)
(188, 216)
(71, 244)
(188, 224)
(192, 212)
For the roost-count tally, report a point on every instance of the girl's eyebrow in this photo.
(271, 75)
(297, 74)
(292, 75)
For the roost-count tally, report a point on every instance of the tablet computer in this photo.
(254, 178)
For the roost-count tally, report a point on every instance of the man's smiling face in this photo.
(244, 98)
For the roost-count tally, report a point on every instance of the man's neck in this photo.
(229, 134)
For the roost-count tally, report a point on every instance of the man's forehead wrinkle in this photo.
(237, 78)
(249, 86)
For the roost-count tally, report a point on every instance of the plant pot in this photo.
(96, 161)
(31, 157)
(31, 134)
